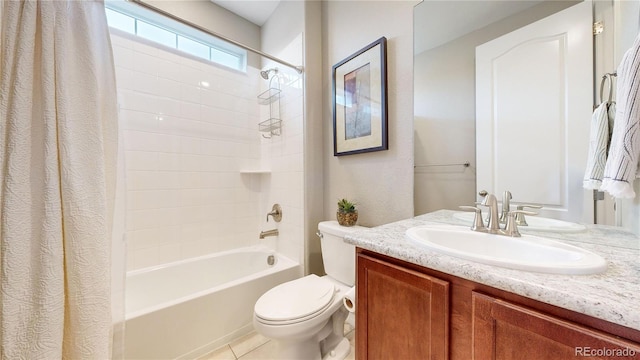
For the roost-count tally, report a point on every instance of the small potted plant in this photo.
(347, 213)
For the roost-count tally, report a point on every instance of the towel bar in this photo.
(466, 164)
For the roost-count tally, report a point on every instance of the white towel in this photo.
(598, 144)
(622, 162)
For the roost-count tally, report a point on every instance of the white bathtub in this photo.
(188, 308)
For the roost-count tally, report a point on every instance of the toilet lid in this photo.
(295, 299)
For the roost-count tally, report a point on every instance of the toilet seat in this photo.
(295, 301)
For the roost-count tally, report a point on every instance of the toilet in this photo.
(306, 316)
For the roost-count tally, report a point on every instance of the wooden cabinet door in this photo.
(401, 314)
(502, 330)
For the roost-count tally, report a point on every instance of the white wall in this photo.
(313, 141)
(380, 182)
(281, 37)
(291, 21)
(185, 145)
(283, 156)
(283, 26)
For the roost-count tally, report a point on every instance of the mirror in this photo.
(444, 90)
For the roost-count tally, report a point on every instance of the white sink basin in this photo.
(535, 223)
(532, 253)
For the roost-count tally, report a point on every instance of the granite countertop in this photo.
(613, 296)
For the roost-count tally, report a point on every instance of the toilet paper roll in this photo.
(349, 300)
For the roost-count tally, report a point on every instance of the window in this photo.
(195, 48)
(121, 21)
(138, 21)
(154, 33)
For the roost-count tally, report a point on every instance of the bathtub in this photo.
(187, 308)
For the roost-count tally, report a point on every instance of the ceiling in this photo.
(470, 14)
(256, 11)
(443, 21)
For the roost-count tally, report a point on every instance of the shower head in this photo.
(265, 73)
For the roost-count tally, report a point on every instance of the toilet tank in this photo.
(339, 258)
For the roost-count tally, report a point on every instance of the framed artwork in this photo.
(360, 101)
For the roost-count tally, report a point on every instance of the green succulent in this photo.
(346, 206)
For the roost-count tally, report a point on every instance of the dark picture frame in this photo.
(360, 101)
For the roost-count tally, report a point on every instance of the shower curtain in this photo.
(58, 146)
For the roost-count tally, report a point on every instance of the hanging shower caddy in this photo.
(271, 97)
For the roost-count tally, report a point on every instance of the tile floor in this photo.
(254, 346)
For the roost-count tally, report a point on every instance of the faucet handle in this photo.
(276, 213)
(521, 207)
(471, 208)
(478, 203)
(520, 220)
(511, 229)
(478, 224)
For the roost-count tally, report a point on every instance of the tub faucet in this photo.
(264, 234)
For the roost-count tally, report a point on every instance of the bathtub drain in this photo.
(271, 260)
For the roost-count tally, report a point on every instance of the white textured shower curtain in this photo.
(58, 144)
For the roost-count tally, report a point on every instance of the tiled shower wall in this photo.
(190, 129)
(283, 156)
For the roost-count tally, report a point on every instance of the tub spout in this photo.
(264, 234)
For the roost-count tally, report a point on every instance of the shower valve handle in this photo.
(276, 213)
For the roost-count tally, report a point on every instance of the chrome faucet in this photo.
(264, 234)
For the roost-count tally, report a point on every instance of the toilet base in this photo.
(340, 352)
(303, 350)
(328, 344)
(309, 350)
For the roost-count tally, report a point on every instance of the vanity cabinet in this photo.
(503, 330)
(402, 314)
(405, 311)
